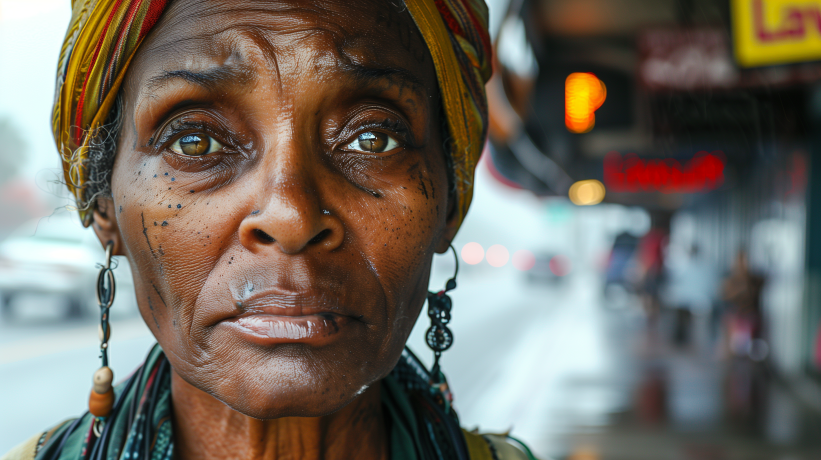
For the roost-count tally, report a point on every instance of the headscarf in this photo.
(104, 35)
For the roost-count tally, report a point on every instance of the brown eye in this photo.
(373, 142)
(195, 145)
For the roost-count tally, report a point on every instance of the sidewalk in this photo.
(689, 405)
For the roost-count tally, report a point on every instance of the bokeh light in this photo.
(497, 255)
(586, 192)
(583, 94)
(560, 265)
(473, 253)
(523, 260)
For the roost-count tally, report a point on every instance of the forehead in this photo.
(283, 34)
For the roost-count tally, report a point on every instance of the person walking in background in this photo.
(743, 339)
(650, 258)
(691, 292)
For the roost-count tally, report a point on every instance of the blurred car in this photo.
(549, 268)
(53, 256)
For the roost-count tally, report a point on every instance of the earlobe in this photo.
(105, 225)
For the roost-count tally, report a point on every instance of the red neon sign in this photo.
(705, 171)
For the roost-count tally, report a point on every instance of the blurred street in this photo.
(640, 269)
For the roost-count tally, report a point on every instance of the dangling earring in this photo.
(101, 400)
(439, 337)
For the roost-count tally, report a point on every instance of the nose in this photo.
(291, 219)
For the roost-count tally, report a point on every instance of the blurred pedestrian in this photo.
(743, 342)
(650, 261)
(692, 285)
(743, 321)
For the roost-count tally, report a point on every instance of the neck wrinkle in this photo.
(208, 429)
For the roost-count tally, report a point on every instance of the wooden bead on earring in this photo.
(101, 400)
(107, 336)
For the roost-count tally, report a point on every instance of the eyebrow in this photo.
(210, 79)
(214, 78)
(368, 74)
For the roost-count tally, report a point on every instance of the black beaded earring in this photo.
(439, 337)
(101, 399)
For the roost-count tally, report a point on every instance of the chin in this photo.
(290, 380)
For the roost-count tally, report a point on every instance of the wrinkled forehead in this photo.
(281, 35)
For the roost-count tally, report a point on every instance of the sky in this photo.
(31, 32)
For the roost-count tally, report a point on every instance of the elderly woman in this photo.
(278, 175)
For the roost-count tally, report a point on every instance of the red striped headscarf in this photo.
(104, 35)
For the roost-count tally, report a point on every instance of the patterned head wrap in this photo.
(104, 35)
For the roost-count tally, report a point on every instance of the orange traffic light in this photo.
(583, 94)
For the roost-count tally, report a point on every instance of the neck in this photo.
(205, 428)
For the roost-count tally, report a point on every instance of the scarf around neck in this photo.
(421, 426)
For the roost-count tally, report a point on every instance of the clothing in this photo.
(104, 35)
(420, 426)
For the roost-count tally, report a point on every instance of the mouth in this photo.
(265, 329)
(270, 318)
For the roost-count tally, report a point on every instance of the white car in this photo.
(57, 256)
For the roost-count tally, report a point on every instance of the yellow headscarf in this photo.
(104, 35)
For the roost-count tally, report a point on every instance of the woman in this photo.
(279, 176)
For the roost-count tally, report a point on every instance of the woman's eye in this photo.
(195, 145)
(373, 142)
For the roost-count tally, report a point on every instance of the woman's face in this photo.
(280, 188)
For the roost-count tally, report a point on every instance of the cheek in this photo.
(400, 231)
(173, 238)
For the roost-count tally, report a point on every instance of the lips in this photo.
(273, 316)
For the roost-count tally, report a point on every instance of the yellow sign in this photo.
(768, 32)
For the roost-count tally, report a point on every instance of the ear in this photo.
(105, 225)
(452, 225)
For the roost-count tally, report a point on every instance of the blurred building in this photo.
(711, 120)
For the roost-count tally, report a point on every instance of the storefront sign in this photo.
(768, 32)
(686, 59)
(629, 173)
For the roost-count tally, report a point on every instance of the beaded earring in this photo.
(101, 400)
(438, 336)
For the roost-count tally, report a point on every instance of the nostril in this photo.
(320, 236)
(262, 236)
